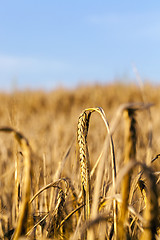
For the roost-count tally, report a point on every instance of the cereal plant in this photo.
(84, 174)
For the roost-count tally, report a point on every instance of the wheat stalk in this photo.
(58, 173)
(22, 223)
(82, 131)
(129, 155)
(57, 216)
(150, 222)
(52, 184)
(150, 194)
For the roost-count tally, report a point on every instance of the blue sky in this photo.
(45, 44)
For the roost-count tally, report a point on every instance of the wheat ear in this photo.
(83, 155)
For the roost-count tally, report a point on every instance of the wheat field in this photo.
(80, 164)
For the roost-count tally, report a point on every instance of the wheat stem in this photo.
(22, 223)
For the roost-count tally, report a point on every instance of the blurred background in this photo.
(50, 44)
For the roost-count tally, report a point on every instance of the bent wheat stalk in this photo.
(52, 184)
(83, 155)
(22, 223)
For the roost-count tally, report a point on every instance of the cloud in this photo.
(31, 64)
(31, 72)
